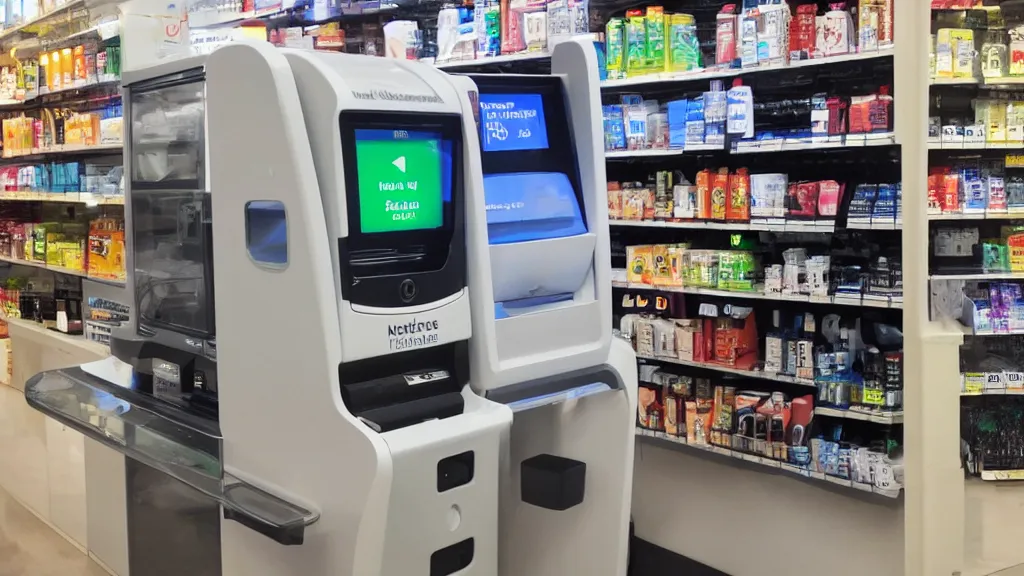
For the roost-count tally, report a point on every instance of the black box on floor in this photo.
(552, 482)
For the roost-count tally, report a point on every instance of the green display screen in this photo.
(403, 180)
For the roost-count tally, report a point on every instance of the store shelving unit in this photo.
(929, 351)
(71, 24)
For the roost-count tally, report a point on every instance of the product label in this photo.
(413, 334)
(974, 383)
(874, 397)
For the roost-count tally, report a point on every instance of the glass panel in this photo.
(97, 400)
(266, 232)
(174, 260)
(168, 135)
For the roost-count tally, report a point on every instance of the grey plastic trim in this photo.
(557, 386)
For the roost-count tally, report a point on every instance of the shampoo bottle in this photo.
(740, 110)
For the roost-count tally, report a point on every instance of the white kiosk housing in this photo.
(368, 415)
(540, 285)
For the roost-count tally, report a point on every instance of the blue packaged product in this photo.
(614, 128)
(716, 106)
(863, 201)
(885, 204)
(975, 192)
(677, 123)
(695, 121)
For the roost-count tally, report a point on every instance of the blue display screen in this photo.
(531, 206)
(512, 122)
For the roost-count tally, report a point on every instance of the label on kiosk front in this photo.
(414, 334)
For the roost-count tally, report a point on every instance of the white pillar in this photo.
(934, 508)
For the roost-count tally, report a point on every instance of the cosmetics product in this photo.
(726, 30)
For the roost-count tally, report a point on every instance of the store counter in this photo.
(49, 468)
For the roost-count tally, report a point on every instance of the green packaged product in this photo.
(683, 46)
(736, 271)
(613, 46)
(655, 24)
(635, 51)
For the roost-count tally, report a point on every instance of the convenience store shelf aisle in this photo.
(28, 547)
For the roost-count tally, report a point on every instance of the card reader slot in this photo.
(382, 256)
(406, 414)
(407, 387)
(398, 388)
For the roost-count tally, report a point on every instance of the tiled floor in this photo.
(994, 522)
(28, 547)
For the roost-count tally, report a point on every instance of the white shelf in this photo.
(643, 153)
(835, 300)
(979, 277)
(727, 370)
(954, 81)
(1002, 475)
(59, 270)
(972, 146)
(796, 470)
(7, 32)
(886, 224)
(521, 57)
(958, 216)
(875, 416)
(756, 147)
(67, 149)
(715, 73)
(63, 197)
(825, 227)
(213, 18)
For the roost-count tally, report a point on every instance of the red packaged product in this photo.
(837, 116)
(802, 34)
(830, 195)
(936, 187)
(803, 200)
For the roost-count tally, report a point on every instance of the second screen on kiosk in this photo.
(512, 122)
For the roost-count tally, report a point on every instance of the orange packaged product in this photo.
(53, 71)
(80, 75)
(704, 194)
(614, 201)
(67, 68)
(106, 249)
(719, 194)
(633, 204)
(950, 199)
(738, 207)
(648, 197)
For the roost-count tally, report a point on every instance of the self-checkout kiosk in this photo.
(540, 285)
(306, 406)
